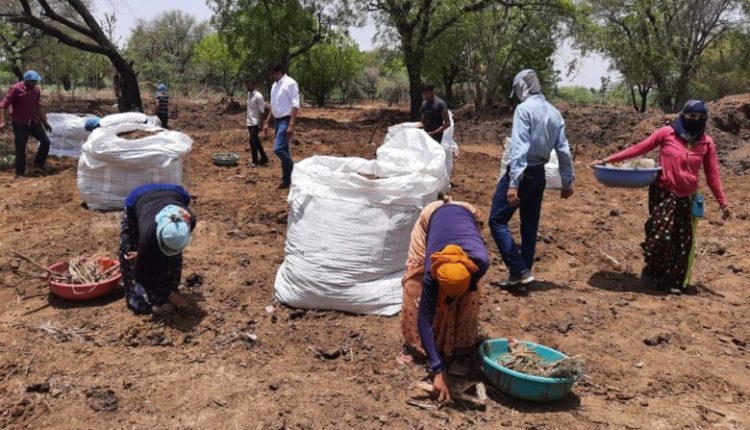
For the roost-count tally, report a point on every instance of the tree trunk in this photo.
(320, 99)
(17, 71)
(632, 96)
(129, 98)
(415, 91)
(644, 97)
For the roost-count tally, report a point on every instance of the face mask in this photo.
(694, 127)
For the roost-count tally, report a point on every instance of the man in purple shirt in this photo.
(28, 118)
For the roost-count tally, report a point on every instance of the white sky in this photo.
(589, 72)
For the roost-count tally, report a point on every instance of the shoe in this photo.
(675, 291)
(522, 279)
(283, 186)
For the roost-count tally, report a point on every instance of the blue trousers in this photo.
(281, 148)
(531, 194)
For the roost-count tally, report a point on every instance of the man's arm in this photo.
(294, 94)
(43, 118)
(10, 96)
(562, 148)
(446, 121)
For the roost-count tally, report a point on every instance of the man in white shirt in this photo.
(255, 109)
(284, 108)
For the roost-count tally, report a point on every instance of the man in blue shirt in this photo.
(538, 128)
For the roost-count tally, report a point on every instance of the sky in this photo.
(588, 74)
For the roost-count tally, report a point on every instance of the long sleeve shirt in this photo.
(449, 224)
(538, 128)
(680, 163)
(255, 108)
(284, 97)
(26, 103)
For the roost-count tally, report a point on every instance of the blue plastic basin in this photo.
(626, 178)
(521, 385)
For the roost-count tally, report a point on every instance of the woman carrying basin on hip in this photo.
(447, 258)
(674, 203)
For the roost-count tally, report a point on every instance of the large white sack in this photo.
(129, 118)
(448, 143)
(348, 235)
(111, 166)
(551, 169)
(68, 134)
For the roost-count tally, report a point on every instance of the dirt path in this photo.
(231, 364)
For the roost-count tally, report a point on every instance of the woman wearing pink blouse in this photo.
(669, 248)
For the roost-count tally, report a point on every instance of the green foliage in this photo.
(336, 64)
(262, 32)
(162, 49)
(725, 68)
(216, 63)
(659, 43)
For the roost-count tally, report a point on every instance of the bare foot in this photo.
(178, 301)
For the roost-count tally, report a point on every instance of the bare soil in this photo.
(654, 361)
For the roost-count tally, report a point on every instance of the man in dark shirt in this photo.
(156, 226)
(435, 117)
(28, 119)
(162, 104)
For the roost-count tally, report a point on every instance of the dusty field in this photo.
(108, 369)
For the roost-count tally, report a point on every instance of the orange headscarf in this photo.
(452, 269)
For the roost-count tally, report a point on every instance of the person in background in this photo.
(671, 228)
(285, 103)
(255, 109)
(538, 128)
(447, 259)
(435, 118)
(28, 119)
(156, 227)
(161, 103)
(92, 123)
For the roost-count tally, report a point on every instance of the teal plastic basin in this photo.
(521, 385)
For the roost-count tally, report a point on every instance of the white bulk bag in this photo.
(348, 235)
(551, 169)
(110, 166)
(68, 134)
(129, 118)
(448, 143)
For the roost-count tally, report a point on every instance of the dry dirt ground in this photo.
(97, 366)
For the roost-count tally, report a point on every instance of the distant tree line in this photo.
(662, 52)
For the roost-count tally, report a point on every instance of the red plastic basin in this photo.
(84, 291)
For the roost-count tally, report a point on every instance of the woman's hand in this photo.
(597, 163)
(131, 256)
(440, 388)
(727, 213)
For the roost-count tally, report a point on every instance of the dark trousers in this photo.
(21, 133)
(164, 118)
(256, 149)
(531, 194)
(281, 148)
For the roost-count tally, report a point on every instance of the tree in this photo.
(663, 40)
(163, 48)
(217, 64)
(725, 68)
(505, 39)
(336, 63)
(294, 26)
(81, 31)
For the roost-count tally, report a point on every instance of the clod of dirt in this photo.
(40, 387)
(614, 212)
(273, 387)
(101, 399)
(297, 314)
(564, 327)
(194, 280)
(656, 340)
